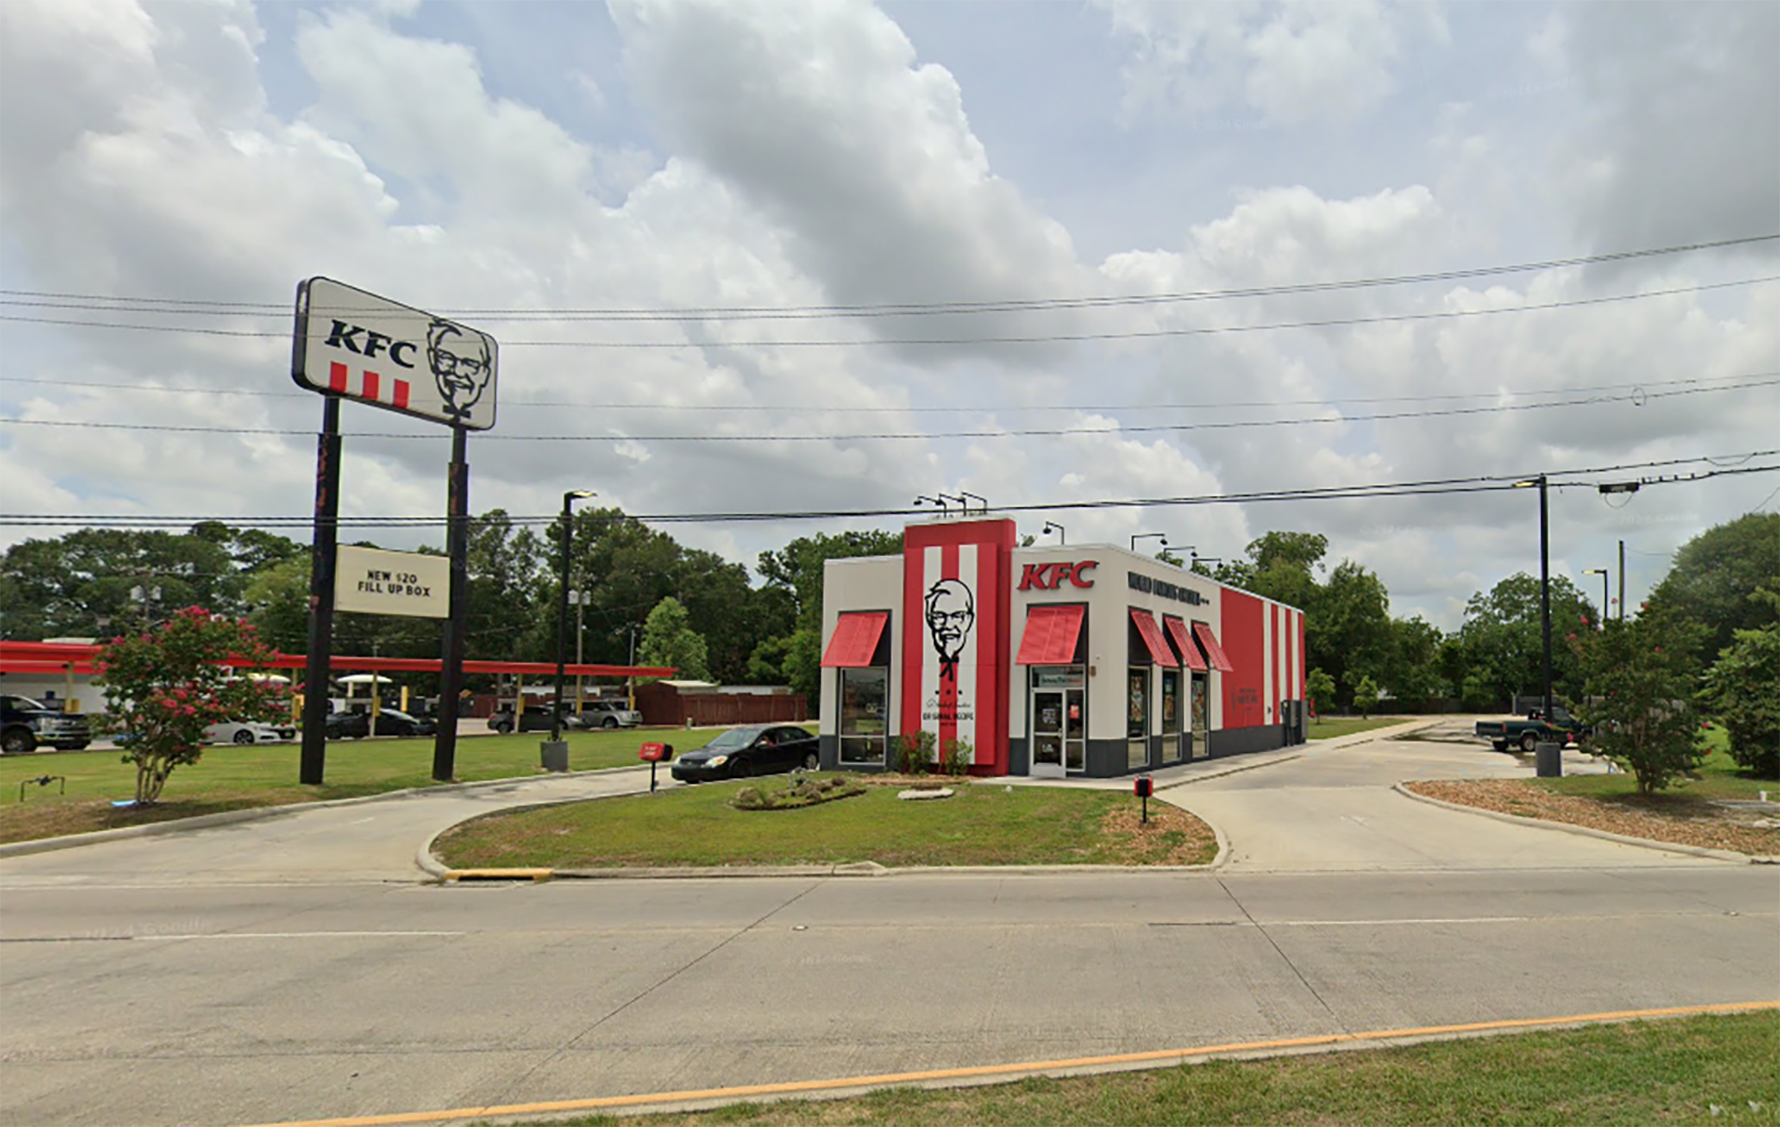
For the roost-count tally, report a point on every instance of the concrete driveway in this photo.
(1333, 809)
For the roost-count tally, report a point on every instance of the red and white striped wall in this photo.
(970, 703)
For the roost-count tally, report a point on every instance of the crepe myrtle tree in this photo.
(169, 684)
(1641, 677)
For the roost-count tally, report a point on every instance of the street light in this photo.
(1053, 526)
(562, 608)
(1163, 537)
(1602, 572)
(1544, 582)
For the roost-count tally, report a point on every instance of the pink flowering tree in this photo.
(168, 685)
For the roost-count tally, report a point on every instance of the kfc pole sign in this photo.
(1050, 576)
(364, 347)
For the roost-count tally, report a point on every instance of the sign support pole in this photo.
(321, 595)
(457, 546)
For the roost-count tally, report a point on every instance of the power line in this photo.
(1429, 487)
(46, 299)
(1637, 396)
(1049, 338)
(509, 404)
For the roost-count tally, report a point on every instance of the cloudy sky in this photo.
(911, 236)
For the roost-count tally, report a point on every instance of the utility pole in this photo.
(1622, 580)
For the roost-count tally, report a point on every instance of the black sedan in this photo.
(390, 722)
(758, 749)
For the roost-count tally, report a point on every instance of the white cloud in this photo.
(1290, 62)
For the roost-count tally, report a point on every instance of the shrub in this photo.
(955, 757)
(1743, 687)
(806, 790)
(914, 751)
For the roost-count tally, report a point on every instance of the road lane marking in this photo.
(799, 1086)
(299, 935)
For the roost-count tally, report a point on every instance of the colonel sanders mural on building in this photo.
(951, 612)
(461, 366)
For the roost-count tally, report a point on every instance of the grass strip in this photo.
(982, 824)
(1714, 1069)
(234, 778)
(1334, 726)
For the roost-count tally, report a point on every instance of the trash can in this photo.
(1548, 760)
(555, 754)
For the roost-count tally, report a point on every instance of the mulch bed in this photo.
(1675, 819)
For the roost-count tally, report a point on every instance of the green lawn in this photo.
(1716, 1070)
(1720, 777)
(1347, 725)
(230, 777)
(983, 824)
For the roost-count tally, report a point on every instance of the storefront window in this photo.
(863, 727)
(1171, 709)
(1200, 724)
(1137, 716)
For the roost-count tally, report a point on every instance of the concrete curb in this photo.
(1589, 831)
(256, 813)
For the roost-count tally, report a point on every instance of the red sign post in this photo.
(654, 753)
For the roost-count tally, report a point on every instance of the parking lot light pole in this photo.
(1603, 573)
(1544, 582)
(562, 609)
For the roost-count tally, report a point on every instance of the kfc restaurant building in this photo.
(1050, 661)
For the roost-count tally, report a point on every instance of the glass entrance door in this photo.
(1047, 733)
(1058, 720)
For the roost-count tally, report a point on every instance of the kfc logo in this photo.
(1050, 576)
(951, 612)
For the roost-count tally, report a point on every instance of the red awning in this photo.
(1190, 655)
(855, 639)
(1050, 635)
(1153, 640)
(1213, 651)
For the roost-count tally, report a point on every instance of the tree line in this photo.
(712, 618)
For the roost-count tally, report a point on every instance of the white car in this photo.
(605, 714)
(246, 732)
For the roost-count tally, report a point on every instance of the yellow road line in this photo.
(798, 1086)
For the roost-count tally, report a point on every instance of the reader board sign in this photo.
(408, 584)
(367, 348)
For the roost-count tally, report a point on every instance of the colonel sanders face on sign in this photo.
(461, 366)
(951, 612)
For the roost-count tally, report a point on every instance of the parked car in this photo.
(246, 732)
(757, 749)
(535, 718)
(604, 714)
(390, 722)
(395, 722)
(348, 725)
(26, 725)
(1530, 733)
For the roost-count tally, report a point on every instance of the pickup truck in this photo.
(1532, 731)
(25, 725)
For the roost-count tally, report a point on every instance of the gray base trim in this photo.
(1243, 741)
(1019, 757)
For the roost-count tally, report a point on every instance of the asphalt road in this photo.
(140, 989)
